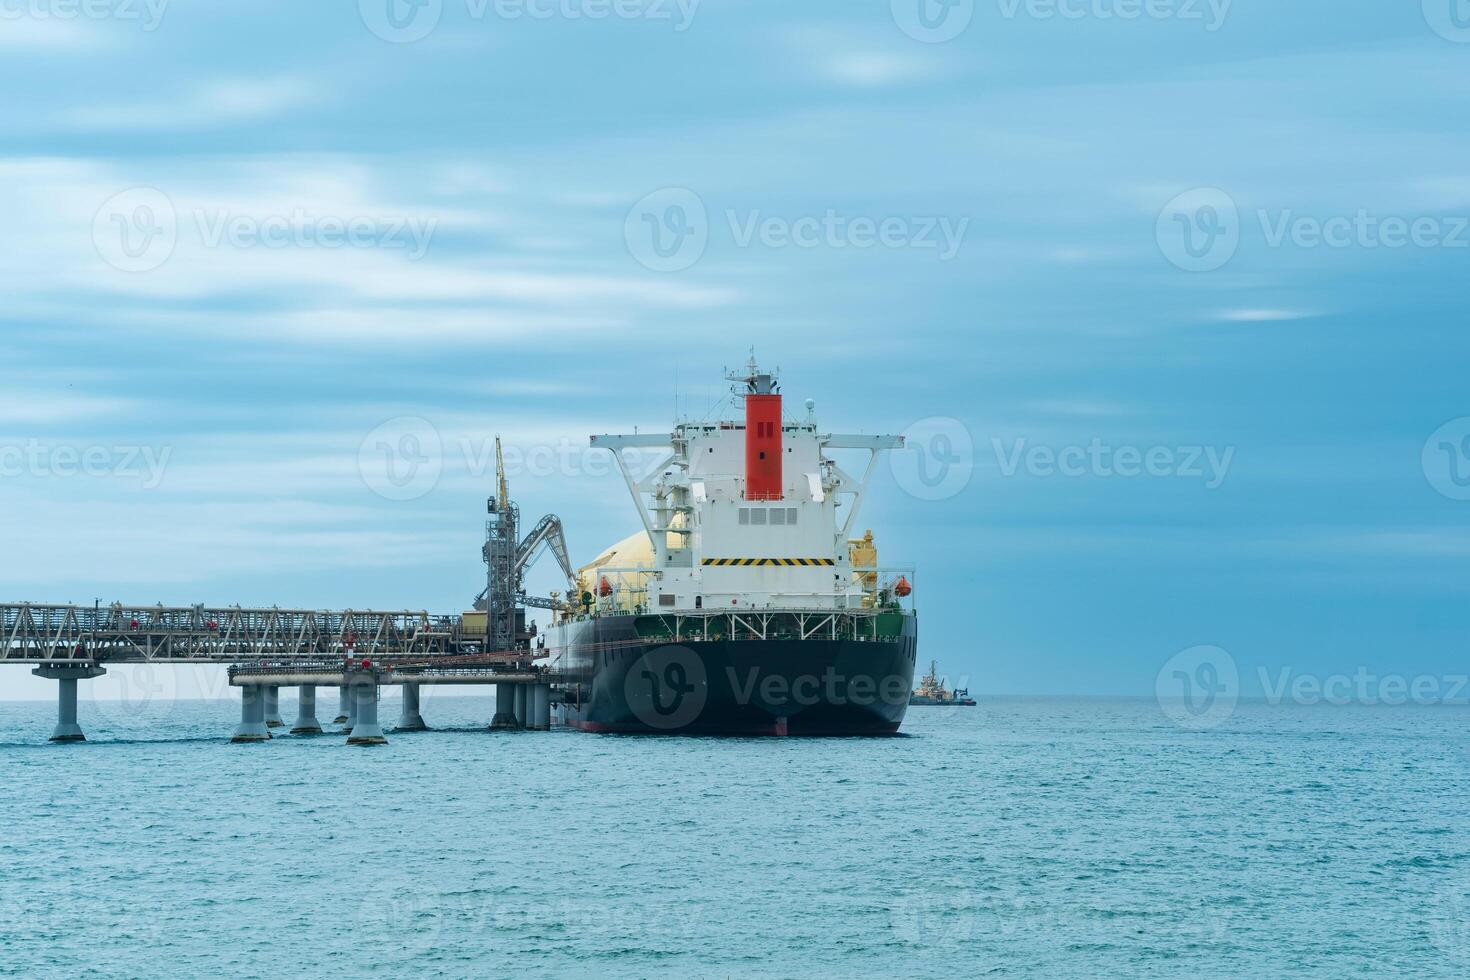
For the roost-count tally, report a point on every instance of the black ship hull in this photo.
(619, 678)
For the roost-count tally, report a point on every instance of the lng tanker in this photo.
(743, 606)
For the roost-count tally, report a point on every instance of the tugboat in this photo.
(931, 690)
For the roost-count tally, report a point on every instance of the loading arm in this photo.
(547, 533)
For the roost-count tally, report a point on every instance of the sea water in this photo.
(1028, 837)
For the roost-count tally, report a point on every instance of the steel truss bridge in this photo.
(35, 633)
(60, 635)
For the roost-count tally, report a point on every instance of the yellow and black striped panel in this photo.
(765, 562)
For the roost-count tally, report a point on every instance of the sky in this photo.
(1168, 295)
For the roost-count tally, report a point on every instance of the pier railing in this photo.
(41, 633)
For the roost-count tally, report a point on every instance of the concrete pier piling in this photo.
(273, 707)
(350, 711)
(409, 719)
(365, 727)
(539, 708)
(343, 700)
(252, 727)
(505, 707)
(306, 723)
(520, 702)
(67, 729)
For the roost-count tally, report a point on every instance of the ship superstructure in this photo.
(746, 568)
(745, 513)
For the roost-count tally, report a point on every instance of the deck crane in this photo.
(507, 557)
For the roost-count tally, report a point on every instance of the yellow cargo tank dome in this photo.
(629, 588)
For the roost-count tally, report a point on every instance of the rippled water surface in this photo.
(1022, 837)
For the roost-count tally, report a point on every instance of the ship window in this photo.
(778, 516)
(790, 515)
(757, 515)
(665, 600)
(745, 515)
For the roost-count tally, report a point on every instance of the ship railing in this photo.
(861, 624)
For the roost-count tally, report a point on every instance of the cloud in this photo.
(211, 106)
(27, 34)
(1262, 315)
(39, 407)
(872, 69)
